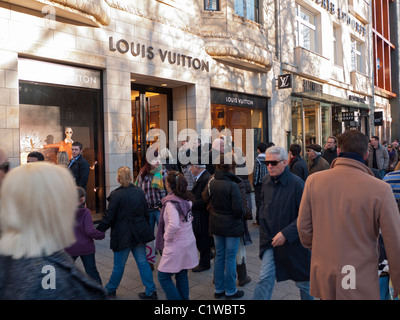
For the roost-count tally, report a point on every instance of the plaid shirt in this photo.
(153, 196)
(260, 169)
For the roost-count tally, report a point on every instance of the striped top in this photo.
(393, 178)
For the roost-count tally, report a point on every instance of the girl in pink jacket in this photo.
(176, 239)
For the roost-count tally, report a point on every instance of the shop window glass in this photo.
(311, 122)
(229, 117)
(47, 111)
(297, 125)
(325, 122)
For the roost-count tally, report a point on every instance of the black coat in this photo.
(22, 279)
(200, 213)
(279, 212)
(329, 154)
(80, 170)
(299, 167)
(226, 209)
(128, 216)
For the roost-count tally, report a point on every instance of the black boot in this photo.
(241, 270)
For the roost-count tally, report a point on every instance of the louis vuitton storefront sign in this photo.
(166, 56)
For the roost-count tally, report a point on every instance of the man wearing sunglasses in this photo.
(282, 255)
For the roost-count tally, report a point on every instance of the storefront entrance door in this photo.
(150, 110)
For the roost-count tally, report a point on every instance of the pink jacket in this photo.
(180, 251)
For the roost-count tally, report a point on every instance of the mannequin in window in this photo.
(64, 145)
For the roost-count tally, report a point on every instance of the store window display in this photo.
(64, 145)
(52, 117)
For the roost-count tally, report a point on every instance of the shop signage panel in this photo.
(312, 86)
(348, 116)
(378, 118)
(284, 81)
(237, 99)
(46, 72)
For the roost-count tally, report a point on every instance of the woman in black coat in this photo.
(226, 225)
(128, 216)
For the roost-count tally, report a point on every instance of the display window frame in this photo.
(241, 101)
(51, 109)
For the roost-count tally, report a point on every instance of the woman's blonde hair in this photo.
(63, 158)
(37, 212)
(124, 176)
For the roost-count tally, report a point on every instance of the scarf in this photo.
(157, 181)
(184, 209)
(352, 155)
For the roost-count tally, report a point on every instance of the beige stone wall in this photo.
(180, 27)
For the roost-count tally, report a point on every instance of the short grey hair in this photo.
(198, 165)
(281, 152)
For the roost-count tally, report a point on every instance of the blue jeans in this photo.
(178, 292)
(226, 249)
(120, 257)
(154, 217)
(384, 288)
(89, 263)
(263, 289)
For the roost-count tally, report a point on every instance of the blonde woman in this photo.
(63, 159)
(128, 217)
(36, 224)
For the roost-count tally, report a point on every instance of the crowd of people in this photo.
(327, 223)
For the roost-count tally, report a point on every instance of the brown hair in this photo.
(178, 184)
(353, 141)
(228, 166)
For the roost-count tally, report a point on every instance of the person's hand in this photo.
(278, 240)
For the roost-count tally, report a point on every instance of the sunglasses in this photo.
(272, 163)
(5, 166)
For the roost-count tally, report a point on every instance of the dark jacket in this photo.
(200, 213)
(329, 154)
(85, 233)
(279, 211)
(318, 164)
(80, 170)
(128, 216)
(226, 209)
(299, 167)
(22, 279)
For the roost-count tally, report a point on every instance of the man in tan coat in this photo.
(341, 213)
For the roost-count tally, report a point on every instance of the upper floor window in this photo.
(306, 29)
(248, 9)
(337, 46)
(356, 56)
(211, 5)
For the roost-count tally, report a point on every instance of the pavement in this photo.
(201, 285)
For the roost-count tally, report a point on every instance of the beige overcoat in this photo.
(341, 213)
